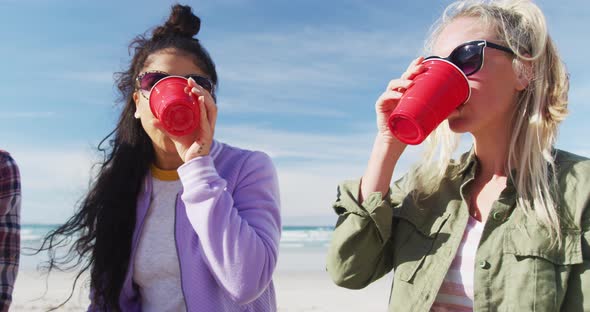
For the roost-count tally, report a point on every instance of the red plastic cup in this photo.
(435, 93)
(177, 110)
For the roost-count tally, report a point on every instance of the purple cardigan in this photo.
(227, 232)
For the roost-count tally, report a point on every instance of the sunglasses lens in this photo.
(149, 80)
(468, 58)
(203, 82)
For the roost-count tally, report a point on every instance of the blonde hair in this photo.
(540, 108)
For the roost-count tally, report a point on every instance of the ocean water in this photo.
(31, 234)
(302, 248)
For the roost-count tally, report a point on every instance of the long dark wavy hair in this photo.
(98, 236)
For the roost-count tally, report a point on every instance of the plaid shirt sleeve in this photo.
(10, 201)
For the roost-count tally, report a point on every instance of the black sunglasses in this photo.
(469, 55)
(147, 80)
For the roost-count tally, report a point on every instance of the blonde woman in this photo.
(506, 226)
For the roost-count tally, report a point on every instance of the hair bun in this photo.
(182, 22)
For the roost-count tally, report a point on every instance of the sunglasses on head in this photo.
(469, 55)
(147, 80)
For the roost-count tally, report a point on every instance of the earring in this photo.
(136, 115)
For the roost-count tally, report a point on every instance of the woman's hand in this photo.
(199, 142)
(387, 102)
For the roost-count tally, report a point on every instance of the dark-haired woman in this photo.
(176, 223)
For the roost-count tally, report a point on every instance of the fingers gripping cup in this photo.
(435, 93)
(177, 110)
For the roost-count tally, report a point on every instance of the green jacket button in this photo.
(484, 264)
(497, 216)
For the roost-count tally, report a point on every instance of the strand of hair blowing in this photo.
(102, 227)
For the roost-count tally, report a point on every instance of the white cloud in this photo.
(579, 93)
(310, 57)
(50, 169)
(239, 105)
(88, 76)
(297, 144)
(325, 42)
(308, 71)
(26, 115)
(308, 189)
(52, 179)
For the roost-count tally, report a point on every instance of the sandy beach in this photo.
(296, 292)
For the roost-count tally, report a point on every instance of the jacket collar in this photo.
(467, 168)
(466, 165)
(216, 148)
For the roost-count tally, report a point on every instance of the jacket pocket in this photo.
(536, 271)
(414, 238)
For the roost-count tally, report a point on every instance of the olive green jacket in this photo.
(517, 269)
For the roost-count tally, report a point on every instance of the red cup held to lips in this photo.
(177, 110)
(435, 93)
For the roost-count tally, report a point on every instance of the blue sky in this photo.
(298, 79)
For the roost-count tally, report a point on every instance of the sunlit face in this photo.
(493, 88)
(174, 63)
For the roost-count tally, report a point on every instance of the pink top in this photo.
(456, 292)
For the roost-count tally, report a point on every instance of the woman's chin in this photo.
(458, 124)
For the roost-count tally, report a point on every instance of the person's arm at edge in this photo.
(10, 202)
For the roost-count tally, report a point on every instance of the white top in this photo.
(456, 292)
(156, 267)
